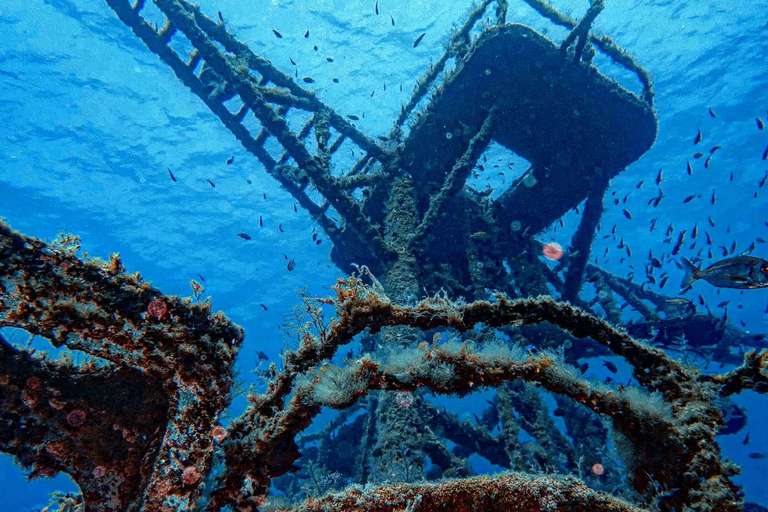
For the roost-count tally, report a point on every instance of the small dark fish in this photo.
(308, 80)
(263, 307)
(318, 241)
(261, 222)
(765, 153)
(714, 148)
(670, 229)
(743, 272)
(294, 208)
(292, 61)
(709, 238)
(761, 184)
(679, 301)
(711, 222)
(627, 214)
(277, 34)
(689, 198)
(353, 117)
(418, 39)
(610, 366)
(713, 199)
(663, 281)
(660, 176)
(306, 34)
(653, 223)
(746, 439)
(655, 263)
(264, 195)
(698, 155)
(695, 231)
(248, 181)
(291, 265)
(335, 80)
(314, 47)
(210, 183)
(392, 19)
(697, 139)
(230, 160)
(201, 277)
(679, 244)
(171, 175)
(280, 227)
(640, 184)
(244, 236)
(689, 168)
(757, 455)
(749, 249)
(373, 92)
(712, 113)
(657, 200)
(731, 178)
(329, 59)
(760, 123)
(221, 18)
(707, 162)
(261, 355)
(376, 8)
(723, 304)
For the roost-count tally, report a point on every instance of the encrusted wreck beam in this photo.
(509, 491)
(100, 425)
(582, 240)
(136, 426)
(456, 179)
(753, 374)
(656, 436)
(580, 34)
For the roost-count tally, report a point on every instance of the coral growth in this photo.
(138, 428)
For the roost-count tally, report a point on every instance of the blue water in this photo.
(90, 120)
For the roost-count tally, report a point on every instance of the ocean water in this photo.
(91, 121)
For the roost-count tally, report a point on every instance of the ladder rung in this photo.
(241, 113)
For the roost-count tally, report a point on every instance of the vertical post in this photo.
(582, 240)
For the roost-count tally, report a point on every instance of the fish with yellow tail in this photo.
(745, 272)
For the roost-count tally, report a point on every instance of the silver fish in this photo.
(746, 272)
